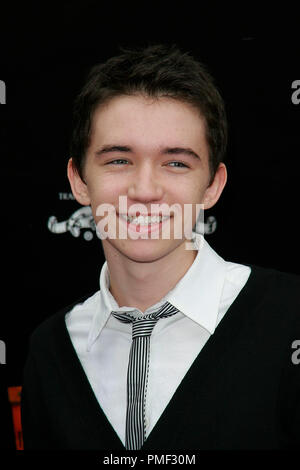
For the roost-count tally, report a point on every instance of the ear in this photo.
(214, 190)
(78, 186)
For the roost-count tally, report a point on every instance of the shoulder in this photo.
(269, 282)
(277, 283)
(277, 296)
(54, 327)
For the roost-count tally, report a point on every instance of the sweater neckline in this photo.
(85, 400)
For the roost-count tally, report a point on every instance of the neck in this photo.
(142, 284)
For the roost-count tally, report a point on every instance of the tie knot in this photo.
(143, 326)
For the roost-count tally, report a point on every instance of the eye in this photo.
(119, 161)
(177, 164)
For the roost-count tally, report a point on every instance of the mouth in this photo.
(144, 223)
(144, 220)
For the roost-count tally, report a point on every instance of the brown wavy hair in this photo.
(154, 71)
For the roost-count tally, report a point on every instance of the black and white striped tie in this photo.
(137, 374)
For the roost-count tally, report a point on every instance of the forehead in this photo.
(139, 119)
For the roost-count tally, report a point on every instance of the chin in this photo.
(145, 251)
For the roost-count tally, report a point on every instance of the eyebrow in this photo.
(180, 150)
(165, 151)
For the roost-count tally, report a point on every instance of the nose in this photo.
(145, 185)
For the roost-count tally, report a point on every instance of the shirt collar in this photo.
(198, 293)
(192, 295)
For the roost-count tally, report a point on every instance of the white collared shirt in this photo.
(203, 296)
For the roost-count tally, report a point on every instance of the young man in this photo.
(179, 349)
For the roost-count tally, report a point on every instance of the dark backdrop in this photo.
(45, 54)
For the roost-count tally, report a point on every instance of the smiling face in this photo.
(154, 152)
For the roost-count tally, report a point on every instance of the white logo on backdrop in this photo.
(80, 221)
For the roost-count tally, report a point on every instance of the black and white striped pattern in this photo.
(137, 375)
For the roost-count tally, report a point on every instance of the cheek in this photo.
(191, 201)
(104, 195)
(190, 193)
(105, 190)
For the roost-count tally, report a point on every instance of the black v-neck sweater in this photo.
(241, 392)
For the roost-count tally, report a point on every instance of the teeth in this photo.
(144, 220)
